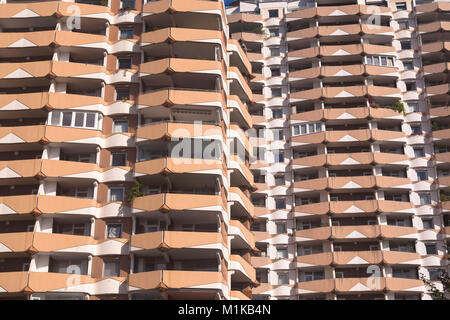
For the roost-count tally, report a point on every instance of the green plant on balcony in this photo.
(104, 3)
(444, 197)
(259, 30)
(135, 191)
(398, 106)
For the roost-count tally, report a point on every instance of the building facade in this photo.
(181, 149)
(124, 162)
(352, 106)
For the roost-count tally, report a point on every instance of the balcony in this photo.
(175, 279)
(15, 242)
(166, 129)
(316, 286)
(13, 282)
(242, 237)
(242, 270)
(176, 240)
(165, 202)
(322, 233)
(178, 165)
(49, 281)
(174, 34)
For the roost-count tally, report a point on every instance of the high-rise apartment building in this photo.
(182, 149)
(124, 160)
(353, 172)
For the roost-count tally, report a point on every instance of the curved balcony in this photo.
(179, 65)
(317, 259)
(435, 47)
(174, 96)
(346, 113)
(175, 279)
(13, 282)
(356, 182)
(316, 286)
(46, 9)
(165, 202)
(360, 284)
(55, 242)
(355, 232)
(322, 233)
(357, 257)
(173, 34)
(167, 130)
(241, 202)
(164, 240)
(22, 134)
(441, 135)
(164, 6)
(242, 270)
(357, 206)
(434, 26)
(329, 11)
(179, 165)
(15, 242)
(48, 281)
(241, 234)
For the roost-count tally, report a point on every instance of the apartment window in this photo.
(401, 5)
(425, 198)
(259, 152)
(282, 252)
(125, 62)
(280, 180)
(114, 230)
(274, 51)
(274, 32)
(275, 71)
(280, 203)
(120, 126)
(111, 268)
(380, 61)
(403, 25)
(279, 156)
(116, 194)
(276, 92)
(431, 248)
(127, 4)
(408, 66)
(427, 223)
(411, 86)
(405, 44)
(277, 113)
(281, 227)
(118, 159)
(283, 277)
(122, 93)
(77, 119)
(413, 107)
(278, 134)
(434, 274)
(422, 175)
(419, 152)
(126, 33)
(306, 128)
(416, 129)
(311, 276)
(273, 13)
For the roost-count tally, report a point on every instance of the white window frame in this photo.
(114, 224)
(117, 188)
(59, 123)
(307, 126)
